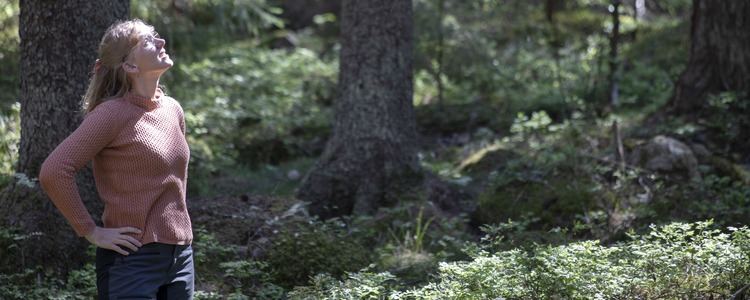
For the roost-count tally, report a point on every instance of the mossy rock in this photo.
(723, 167)
(298, 254)
(556, 203)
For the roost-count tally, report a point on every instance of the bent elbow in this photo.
(44, 174)
(47, 174)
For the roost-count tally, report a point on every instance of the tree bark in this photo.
(59, 44)
(372, 150)
(718, 55)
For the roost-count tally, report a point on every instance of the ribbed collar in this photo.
(147, 104)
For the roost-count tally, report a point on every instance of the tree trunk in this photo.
(59, 44)
(440, 49)
(614, 40)
(719, 59)
(551, 7)
(557, 42)
(372, 150)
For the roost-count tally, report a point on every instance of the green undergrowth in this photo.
(549, 174)
(40, 284)
(10, 134)
(676, 261)
(253, 106)
(557, 174)
(262, 247)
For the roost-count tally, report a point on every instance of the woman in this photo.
(135, 135)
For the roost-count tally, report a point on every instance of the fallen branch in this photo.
(739, 292)
(521, 194)
(618, 142)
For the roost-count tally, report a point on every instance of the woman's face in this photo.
(149, 55)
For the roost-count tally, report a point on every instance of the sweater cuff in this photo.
(85, 228)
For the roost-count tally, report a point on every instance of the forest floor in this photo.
(538, 178)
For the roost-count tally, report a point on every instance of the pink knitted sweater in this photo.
(140, 168)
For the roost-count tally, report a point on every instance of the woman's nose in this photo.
(160, 42)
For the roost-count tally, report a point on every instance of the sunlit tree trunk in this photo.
(371, 154)
(59, 44)
(719, 59)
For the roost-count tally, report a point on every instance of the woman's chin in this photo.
(166, 64)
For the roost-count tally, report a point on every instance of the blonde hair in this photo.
(110, 81)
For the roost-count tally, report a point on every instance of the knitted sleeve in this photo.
(98, 129)
(181, 116)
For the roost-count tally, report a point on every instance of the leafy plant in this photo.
(252, 277)
(209, 253)
(420, 232)
(360, 285)
(725, 199)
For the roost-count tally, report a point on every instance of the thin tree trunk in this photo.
(59, 44)
(620, 150)
(553, 6)
(613, 44)
(441, 44)
(371, 154)
(719, 59)
(557, 43)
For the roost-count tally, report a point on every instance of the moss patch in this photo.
(555, 204)
(298, 254)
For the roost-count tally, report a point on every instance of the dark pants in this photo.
(155, 271)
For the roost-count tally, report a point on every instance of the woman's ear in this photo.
(130, 68)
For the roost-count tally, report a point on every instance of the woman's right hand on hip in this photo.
(113, 238)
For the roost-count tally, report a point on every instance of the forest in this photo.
(410, 149)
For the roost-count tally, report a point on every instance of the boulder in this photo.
(666, 156)
(702, 153)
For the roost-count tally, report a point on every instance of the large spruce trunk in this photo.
(59, 44)
(371, 154)
(719, 59)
